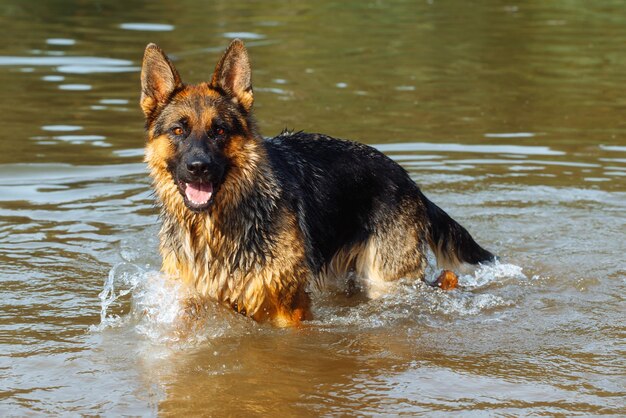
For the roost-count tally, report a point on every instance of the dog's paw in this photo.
(447, 280)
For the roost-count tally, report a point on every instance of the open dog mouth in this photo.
(197, 195)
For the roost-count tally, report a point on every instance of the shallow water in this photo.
(509, 116)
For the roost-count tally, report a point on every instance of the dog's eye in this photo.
(177, 131)
(220, 131)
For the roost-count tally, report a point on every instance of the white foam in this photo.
(491, 273)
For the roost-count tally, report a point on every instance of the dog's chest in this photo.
(216, 264)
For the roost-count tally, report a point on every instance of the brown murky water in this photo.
(511, 116)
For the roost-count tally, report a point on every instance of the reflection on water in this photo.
(510, 116)
(151, 27)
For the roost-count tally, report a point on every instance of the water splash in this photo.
(491, 273)
(173, 314)
(152, 300)
(166, 313)
(161, 311)
(126, 276)
(413, 302)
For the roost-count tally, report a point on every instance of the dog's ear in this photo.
(159, 79)
(233, 76)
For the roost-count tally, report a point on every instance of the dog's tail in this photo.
(450, 242)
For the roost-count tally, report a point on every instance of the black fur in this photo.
(342, 192)
(450, 241)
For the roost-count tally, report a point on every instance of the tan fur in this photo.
(445, 255)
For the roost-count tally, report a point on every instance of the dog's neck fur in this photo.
(217, 250)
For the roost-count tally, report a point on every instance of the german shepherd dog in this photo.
(254, 222)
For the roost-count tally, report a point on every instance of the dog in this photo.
(253, 222)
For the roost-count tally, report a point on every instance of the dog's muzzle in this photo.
(198, 177)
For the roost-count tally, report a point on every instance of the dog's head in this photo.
(199, 134)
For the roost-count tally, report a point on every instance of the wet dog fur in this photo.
(254, 222)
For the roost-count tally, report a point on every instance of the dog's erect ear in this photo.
(159, 79)
(232, 75)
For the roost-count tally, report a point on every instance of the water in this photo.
(509, 115)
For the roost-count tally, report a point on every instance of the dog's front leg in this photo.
(286, 306)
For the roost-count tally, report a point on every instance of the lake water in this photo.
(511, 116)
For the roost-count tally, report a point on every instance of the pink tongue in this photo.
(198, 193)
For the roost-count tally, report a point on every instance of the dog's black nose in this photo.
(198, 166)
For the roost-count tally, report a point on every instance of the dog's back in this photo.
(343, 191)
